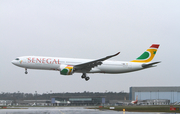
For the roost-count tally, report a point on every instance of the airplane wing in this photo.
(85, 67)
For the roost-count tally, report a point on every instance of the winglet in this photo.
(112, 55)
(117, 54)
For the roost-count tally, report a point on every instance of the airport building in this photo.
(156, 93)
(33, 103)
(77, 101)
(5, 102)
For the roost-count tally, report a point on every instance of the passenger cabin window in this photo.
(17, 59)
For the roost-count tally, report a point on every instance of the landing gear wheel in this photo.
(83, 76)
(26, 71)
(87, 78)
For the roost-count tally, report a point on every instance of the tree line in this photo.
(48, 96)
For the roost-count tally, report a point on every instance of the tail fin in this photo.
(136, 98)
(148, 55)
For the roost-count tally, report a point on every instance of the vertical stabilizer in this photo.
(148, 55)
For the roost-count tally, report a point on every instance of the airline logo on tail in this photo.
(148, 55)
(136, 101)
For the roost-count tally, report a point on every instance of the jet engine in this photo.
(66, 69)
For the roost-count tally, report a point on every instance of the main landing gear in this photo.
(26, 71)
(85, 77)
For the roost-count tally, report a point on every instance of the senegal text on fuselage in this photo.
(44, 60)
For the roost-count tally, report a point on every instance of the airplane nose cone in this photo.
(13, 62)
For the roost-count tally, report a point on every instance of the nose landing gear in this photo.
(26, 71)
(85, 76)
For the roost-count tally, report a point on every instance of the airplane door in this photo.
(24, 60)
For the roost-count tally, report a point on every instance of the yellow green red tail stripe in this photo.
(148, 55)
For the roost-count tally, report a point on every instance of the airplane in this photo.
(136, 101)
(69, 66)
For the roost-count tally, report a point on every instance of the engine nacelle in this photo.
(66, 69)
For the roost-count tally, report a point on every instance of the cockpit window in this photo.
(17, 59)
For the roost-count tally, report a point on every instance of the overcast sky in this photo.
(89, 29)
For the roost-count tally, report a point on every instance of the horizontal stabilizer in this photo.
(150, 64)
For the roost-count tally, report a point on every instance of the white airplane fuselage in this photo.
(68, 66)
(54, 63)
